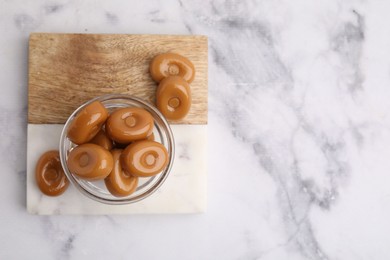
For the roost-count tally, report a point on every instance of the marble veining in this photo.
(298, 132)
(53, 8)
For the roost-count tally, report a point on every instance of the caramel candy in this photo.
(87, 123)
(150, 137)
(103, 140)
(129, 124)
(49, 174)
(144, 158)
(90, 162)
(119, 183)
(171, 64)
(123, 146)
(173, 97)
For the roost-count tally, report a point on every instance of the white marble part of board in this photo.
(184, 191)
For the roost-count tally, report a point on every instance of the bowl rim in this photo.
(119, 200)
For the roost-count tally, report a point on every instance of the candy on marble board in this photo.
(49, 175)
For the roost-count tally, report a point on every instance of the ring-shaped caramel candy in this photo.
(103, 140)
(144, 158)
(90, 162)
(171, 64)
(119, 183)
(49, 174)
(129, 124)
(87, 123)
(173, 97)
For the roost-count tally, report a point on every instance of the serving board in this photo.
(65, 70)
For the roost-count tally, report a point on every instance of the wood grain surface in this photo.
(65, 70)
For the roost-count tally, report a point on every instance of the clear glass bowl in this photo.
(96, 190)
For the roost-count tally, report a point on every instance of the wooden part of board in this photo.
(66, 70)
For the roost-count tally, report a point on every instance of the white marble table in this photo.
(299, 132)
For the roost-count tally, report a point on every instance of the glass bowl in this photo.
(97, 190)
